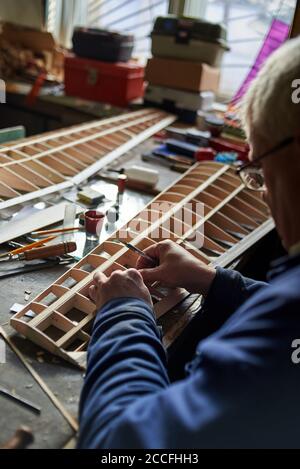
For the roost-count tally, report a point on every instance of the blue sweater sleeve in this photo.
(127, 400)
(126, 360)
(228, 292)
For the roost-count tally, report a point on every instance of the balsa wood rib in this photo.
(42, 165)
(232, 220)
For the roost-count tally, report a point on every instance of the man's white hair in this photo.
(267, 108)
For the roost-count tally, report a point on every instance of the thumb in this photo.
(151, 275)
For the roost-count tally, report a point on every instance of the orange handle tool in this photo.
(49, 251)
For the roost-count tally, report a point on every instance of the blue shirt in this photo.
(241, 390)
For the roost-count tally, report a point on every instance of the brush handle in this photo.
(22, 438)
(56, 250)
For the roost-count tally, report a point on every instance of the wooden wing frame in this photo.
(56, 161)
(233, 220)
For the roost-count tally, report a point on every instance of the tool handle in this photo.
(35, 245)
(50, 251)
(22, 438)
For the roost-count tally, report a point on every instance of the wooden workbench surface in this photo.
(50, 429)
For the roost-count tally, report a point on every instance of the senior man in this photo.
(242, 387)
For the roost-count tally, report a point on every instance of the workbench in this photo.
(50, 428)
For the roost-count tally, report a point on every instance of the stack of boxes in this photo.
(101, 69)
(184, 72)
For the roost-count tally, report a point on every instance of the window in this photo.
(128, 16)
(248, 22)
(52, 16)
(125, 16)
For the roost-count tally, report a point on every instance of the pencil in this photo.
(28, 247)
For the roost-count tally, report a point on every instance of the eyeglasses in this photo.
(252, 174)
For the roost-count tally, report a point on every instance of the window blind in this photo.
(127, 16)
(51, 15)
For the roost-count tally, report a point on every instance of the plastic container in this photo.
(180, 99)
(142, 175)
(189, 39)
(117, 84)
(100, 44)
(182, 103)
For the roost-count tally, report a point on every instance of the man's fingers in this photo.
(151, 251)
(134, 274)
(100, 278)
(151, 275)
(143, 263)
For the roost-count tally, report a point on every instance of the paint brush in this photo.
(138, 251)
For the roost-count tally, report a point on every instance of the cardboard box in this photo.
(40, 43)
(183, 75)
(28, 38)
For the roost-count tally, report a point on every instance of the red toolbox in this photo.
(113, 83)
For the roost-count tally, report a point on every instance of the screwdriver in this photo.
(56, 250)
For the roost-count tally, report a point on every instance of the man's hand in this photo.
(176, 268)
(127, 284)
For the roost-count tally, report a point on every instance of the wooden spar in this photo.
(62, 326)
(73, 160)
